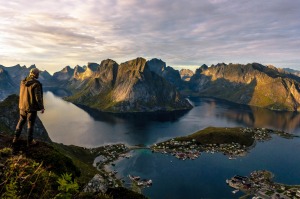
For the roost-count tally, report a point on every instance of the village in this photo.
(106, 156)
(260, 185)
(192, 149)
(183, 150)
(109, 153)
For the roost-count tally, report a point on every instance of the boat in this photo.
(135, 178)
(143, 183)
(235, 191)
(128, 156)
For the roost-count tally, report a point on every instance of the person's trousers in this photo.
(30, 117)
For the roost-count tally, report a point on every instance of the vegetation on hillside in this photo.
(218, 135)
(49, 170)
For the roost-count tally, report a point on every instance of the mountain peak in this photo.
(157, 65)
(186, 74)
(204, 67)
(92, 66)
(65, 74)
(32, 66)
(18, 65)
(66, 69)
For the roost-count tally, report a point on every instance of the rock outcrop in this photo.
(9, 116)
(186, 74)
(96, 185)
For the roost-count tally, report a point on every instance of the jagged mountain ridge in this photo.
(252, 84)
(10, 78)
(128, 87)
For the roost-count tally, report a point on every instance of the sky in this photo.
(183, 33)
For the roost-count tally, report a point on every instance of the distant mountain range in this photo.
(132, 86)
(252, 84)
(10, 78)
(9, 116)
(141, 86)
(292, 71)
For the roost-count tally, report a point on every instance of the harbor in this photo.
(260, 184)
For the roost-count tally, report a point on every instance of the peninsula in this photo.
(232, 142)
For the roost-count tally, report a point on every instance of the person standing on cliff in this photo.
(31, 101)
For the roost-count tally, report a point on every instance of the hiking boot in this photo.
(15, 140)
(31, 143)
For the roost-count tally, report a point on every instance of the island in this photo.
(260, 185)
(232, 142)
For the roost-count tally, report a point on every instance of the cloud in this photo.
(179, 32)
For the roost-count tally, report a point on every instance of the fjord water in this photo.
(201, 178)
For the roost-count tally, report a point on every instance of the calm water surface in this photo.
(201, 178)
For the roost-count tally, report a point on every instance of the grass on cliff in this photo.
(22, 177)
(218, 135)
(49, 170)
(82, 158)
(36, 172)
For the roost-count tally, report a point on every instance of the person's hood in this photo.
(28, 81)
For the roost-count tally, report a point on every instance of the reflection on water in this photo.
(115, 118)
(173, 178)
(64, 122)
(70, 124)
(259, 117)
(206, 176)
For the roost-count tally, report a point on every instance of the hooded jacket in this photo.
(31, 95)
